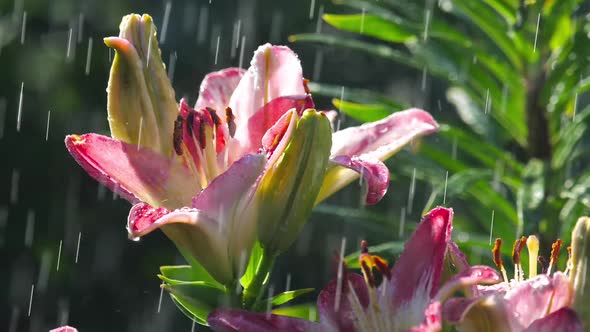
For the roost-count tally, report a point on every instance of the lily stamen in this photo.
(497, 256)
(532, 244)
(568, 265)
(555, 249)
(516, 249)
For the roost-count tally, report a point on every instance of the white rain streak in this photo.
(402, 222)
(80, 28)
(445, 191)
(14, 186)
(311, 9)
(140, 132)
(31, 299)
(193, 326)
(488, 102)
(242, 51)
(319, 21)
(288, 283)
(89, 56)
(14, 319)
(160, 300)
(537, 33)
(44, 270)
(217, 48)
(101, 192)
(424, 75)
(165, 23)
(498, 172)
(47, 128)
(411, 192)
(271, 290)
(59, 255)
(276, 23)
(504, 98)
(171, 66)
(23, 29)
(2, 115)
(492, 227)
(63, 312)
(427, 24)
(30, 229)
(78, 246)
(575, 106)
(202, 27)
(341, 115)
(3, 222)
(363, 14)
(69, 48)
(319, 54)
(19, 115)
(338, 295)
(439, 105)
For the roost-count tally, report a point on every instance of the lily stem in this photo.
(253, 293)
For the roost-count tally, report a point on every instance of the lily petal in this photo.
(64, 329)
(563, 320)
(191, 230)
(417, 273)
(341, 168)
(249, 135)
(216, 89)
(136, 173)
(341, 315)
(475, 275)
(432, 319)
(233, 320)
(275, 71)
(383, 138)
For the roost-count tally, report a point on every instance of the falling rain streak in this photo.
(47, 129)
(311, 9)
(31, 299)
(242, 51)
(14, 186)
(19, 115)
(445, 191)
(78, 246)
(537, 33)
(89, 56)
(426, 24)
(30, 229)
(217, 49)
(69, 48)
(165, 23)
(402, 222)
(23, 29)
(362, 29)
(2, 116)
(338, 294)
(171, 66)
(411, 191)
(492, 227)
(160, 300)
(59, 255)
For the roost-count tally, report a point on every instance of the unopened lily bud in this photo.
(141, 102)
(289, 188)
(580, 274)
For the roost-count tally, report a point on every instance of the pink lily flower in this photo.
(543, 302)
(64, 329)
(201, 175)
(408, 299)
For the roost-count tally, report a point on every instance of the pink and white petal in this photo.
(275, 71)
(475, 275)
(136, 173)
(190, 229)
(342, 170)
(249, 135)
(64, 329)
(337, 301)
(229, 200)
(432, 319)
(381, 139)
(216, 89)
(562, 320)
(232, 320)
(416, 275)
(455, 309)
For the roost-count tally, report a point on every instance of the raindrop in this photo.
(2, 115)
(271, 291)
(171, 66)
(426, 24)
(424, 73)
(59, 255)
(160, 300)
(139, 134)
(217, 48)
(445, 191)
(63, 312)
(30, 228)
(362, 21)
(242, 50)
(238, 28)
(89, 56)
(488, 102)
(3, 222)
(288, 283)
(575, 106)
(193, 326)
(44, 270)
(276, 23)
(101, 192)
(69, 49)
(165, 23)
(78, 246)
(202, 28)
(14, 186)
(319, 21)
(537, 32)
(80, 27)
(439, 105)
(19, 115)
(412, 191)
(402, 222)
(47, 129)
(31, 299)
(23, 29)
(311, 9)
(338, 294)
(491, 227)
(14, 319)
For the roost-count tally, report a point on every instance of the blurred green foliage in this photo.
(516, 74)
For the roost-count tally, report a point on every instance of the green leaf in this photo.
(568, 139)
(285, 297)
(393, 247)
(196, 299)
(304, 311)
(188, 273)
(370, 25)
(562, 33)
(363, 112)
(195, 312)
(253, 263)
(355, 95)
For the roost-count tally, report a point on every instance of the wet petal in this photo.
(344, 168)
(274, 71)
(383, 138)
(432, 319)
(562, 320)
(352, 285)
(191, 230)
(217, 88)
(64, 329)
(249, 135)
(475, 275)
(416, 274)
(232, 320)
(135, 173)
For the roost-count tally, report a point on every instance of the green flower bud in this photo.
(141, 102)
(580, 274)
(290, 186)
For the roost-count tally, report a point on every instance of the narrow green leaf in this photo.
(363, 112)
(193, 311)
(370, 25)
(253, 262)
(285, 297)
(304, 311)
(187, 273)
(355, 95)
